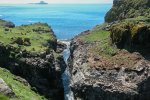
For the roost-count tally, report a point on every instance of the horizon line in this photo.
(58, 3)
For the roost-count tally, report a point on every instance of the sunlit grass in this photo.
(38, 36)
(22, 91)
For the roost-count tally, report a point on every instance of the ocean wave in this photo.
(1, 15)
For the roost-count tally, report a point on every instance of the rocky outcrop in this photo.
(123, 9)
(38, 62)
(111, 61)
(131, 35)
(123, 76)
(6, 24)
(130, 25)
(5, 89)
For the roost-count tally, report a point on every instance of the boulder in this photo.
(5, 89)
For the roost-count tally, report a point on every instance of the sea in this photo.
(66, 20)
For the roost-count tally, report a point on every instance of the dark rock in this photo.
(6, 24)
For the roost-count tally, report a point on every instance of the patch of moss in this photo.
(22, 91)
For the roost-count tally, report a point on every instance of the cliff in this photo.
(30, 51)
(123, 9)
(100, 71)
(130, 26)
(111, 61)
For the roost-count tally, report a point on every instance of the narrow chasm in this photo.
(66, 77)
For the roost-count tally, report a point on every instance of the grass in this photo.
(3, 97)
(103, 46)
(33, 38)
(22, 91)
(95, 35)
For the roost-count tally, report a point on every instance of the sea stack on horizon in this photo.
(41, 2)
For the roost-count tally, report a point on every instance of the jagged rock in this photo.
(123, 76)
(5, 89)
(60, 47)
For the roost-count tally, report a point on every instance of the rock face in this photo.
(121, 76)
(130, 26)
(4, 89)
(111, 61)
(131, 34)
(38, 62)
(123, 9)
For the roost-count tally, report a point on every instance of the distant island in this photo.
(41, 2)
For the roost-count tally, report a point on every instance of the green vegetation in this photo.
(101, 40)
(32, 38)
(139, 18)
(123, 9)
(22, 91)
(96, 35)
(131, 34)
(3, 97)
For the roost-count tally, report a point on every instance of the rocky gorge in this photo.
(109, 62)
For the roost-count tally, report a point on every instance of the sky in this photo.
(54, 1)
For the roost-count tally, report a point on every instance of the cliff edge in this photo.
(32, 53)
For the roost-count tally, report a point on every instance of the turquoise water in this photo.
(67, 20)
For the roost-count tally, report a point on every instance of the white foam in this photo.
(66, 77)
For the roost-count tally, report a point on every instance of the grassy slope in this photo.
(22, 91)
(32, 37)
(103, 40)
